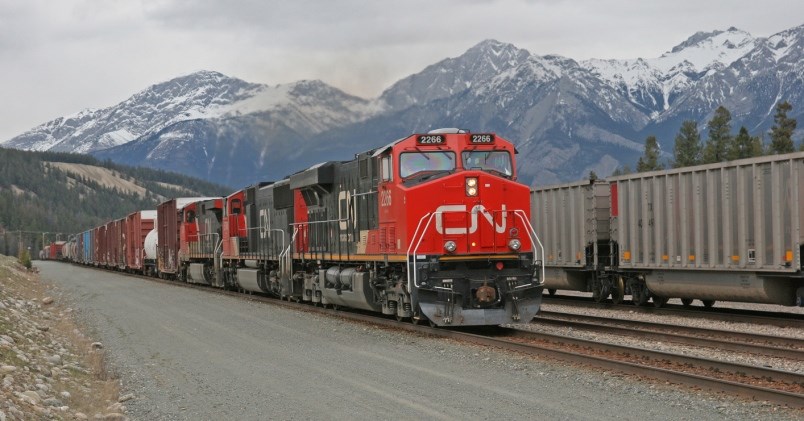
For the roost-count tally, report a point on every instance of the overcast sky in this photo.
(58, 57)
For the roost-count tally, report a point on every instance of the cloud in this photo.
(58, 57)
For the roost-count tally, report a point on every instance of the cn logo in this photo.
(265, 223)
(439, 218)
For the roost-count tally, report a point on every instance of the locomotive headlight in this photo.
(514, 244)
(471, 186)
(450, 246)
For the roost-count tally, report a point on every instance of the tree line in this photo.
(37, 197)
(720, 144)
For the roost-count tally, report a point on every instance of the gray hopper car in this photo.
(729, 231)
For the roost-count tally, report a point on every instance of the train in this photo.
(731, 231)
(433, 227)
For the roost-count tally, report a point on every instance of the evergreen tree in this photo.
(592, 175)
(782, 130)
(650, 160)
(744, 145)
(717, 146)
(688, 150)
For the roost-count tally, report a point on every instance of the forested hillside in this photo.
(46, 192)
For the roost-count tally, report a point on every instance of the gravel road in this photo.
(194, 355)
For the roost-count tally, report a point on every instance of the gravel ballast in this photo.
(187, 355)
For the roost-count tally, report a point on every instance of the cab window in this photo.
(386, 168)
(412, 163)
(498, 162)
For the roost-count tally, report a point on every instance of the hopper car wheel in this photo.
(551, 291)
(640, 296)
(686, 302)
(800, 297)
(618, 293)
(659, 302)
(597, 294)
(708, 303)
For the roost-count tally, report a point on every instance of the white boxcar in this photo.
(727, 231)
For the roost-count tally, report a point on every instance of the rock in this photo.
(127, 397)
(2, 416)
(5, 369)
(7, 382)
(114, 416)
(31, 397)
(54, 359)
(80, 416)
(43, 328)
(97, 345)
(8, 339)
(52, 402)
(116, 407)
(47, 300)
(65, 394)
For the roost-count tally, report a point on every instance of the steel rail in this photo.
(719, 314)
(791, 348)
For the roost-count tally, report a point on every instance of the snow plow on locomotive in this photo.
(433, 227)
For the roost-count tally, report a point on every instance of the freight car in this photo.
(729, 231)
(432, 227)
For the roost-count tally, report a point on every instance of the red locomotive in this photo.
(430, 227)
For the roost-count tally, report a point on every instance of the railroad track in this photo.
(774, 346)
(750, 382)
(719, 314)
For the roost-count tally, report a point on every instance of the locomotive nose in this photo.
(485, 294)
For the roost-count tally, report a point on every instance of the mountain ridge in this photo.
(567, 117)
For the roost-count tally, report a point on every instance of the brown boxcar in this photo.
(169, 218)
(137, 225)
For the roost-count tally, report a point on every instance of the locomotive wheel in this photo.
(551, 291)
(686, 302)
(708, 303)
(618, 293)
(418, 318)
(659, 302)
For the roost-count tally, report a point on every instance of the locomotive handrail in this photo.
(429, 216)
(531, 232)
(418, 237)
(285, 260)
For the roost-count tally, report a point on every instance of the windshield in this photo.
(411, 163)
(497, 161)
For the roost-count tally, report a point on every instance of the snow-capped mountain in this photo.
(202, 95)
(567, 117)
(655, 84)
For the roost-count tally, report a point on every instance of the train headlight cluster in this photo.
(514, 244)
(450, 246)
(471, 186)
